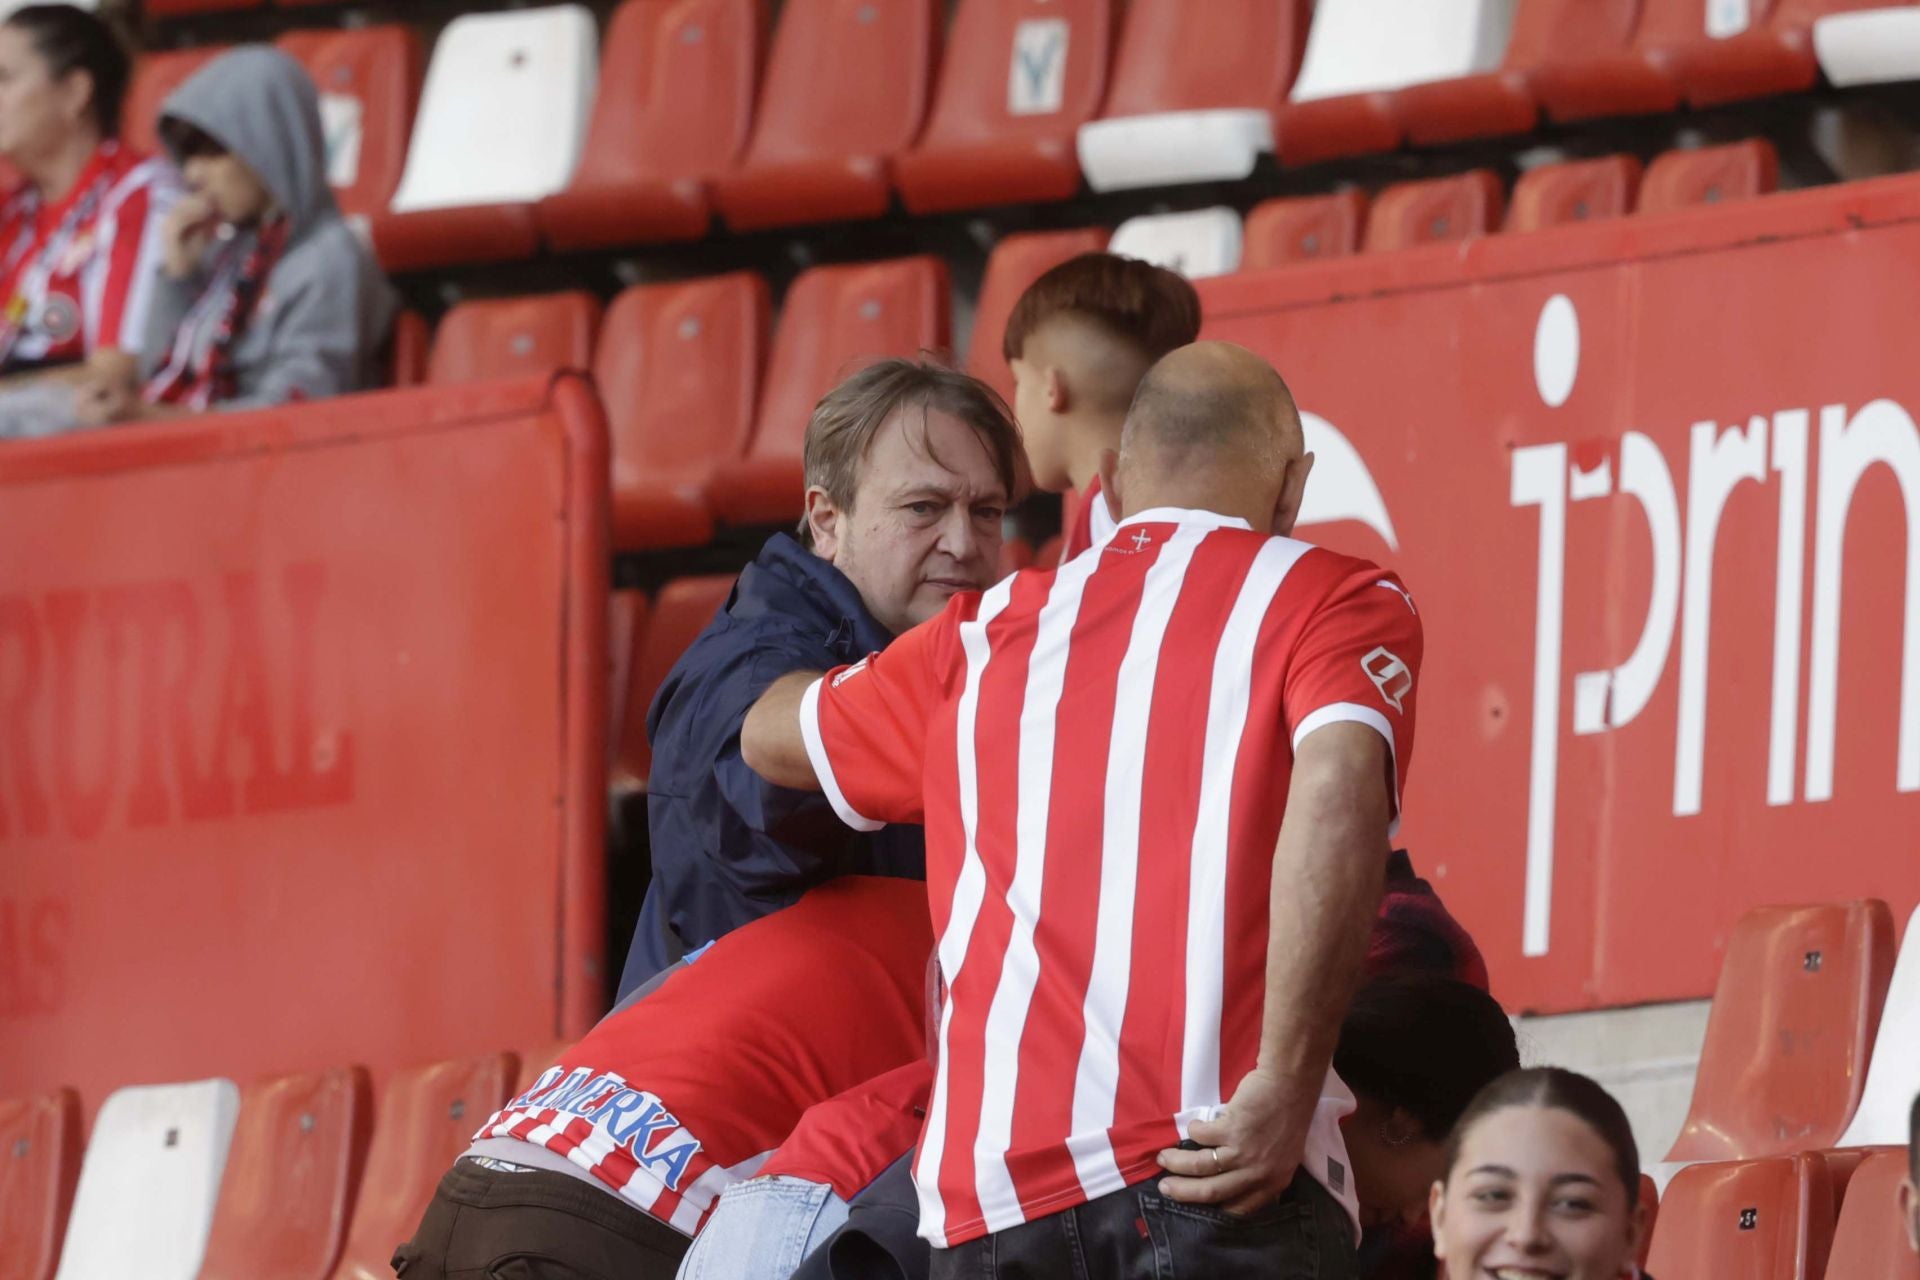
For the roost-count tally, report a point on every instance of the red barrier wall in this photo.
(1655, 484)
(301, 736)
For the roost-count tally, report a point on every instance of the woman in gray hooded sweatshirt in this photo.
(264, 296)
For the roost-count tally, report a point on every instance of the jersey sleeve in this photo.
(119, 284)
(1358, 660)
(865, 727)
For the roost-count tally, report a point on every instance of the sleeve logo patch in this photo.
(842, 677)
(1390, 676)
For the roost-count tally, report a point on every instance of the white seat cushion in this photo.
(150, 1181)
(503, 114)
(1170, 147)
(1869, 46)
(1203, 243)
(1893, 1073)
(1367, 46)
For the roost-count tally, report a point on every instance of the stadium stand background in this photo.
(1509, 255)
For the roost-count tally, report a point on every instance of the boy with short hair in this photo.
(1078, 343)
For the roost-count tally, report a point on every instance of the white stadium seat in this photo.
(1164, 150)
(1893, 1073)
(503, 114)
(1869, 46)
(1205, 242)
(150, 1181)
(1368, 46)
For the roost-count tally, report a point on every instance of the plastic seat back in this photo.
(1893, 1075)
(846, 88)
(39, 1164)
(835, 319)
(409, 347)
(150, 1181)
(1555, 195)
(680, 613)
(1199, 244)
(504, 111)
(1304, 229)
(425, 1120)
(1435, 211)
(1766, 1219)
(1870, 1238)
(1015, 263)
(675, 106)
(369, 83)
(291, 1175)
(1019, 78)
(1792, 1025)
(1372, 46)
(514, 338)
(1243, 53)
(1723, 51)
(1710, 175)
(155, 76)
(671, 355)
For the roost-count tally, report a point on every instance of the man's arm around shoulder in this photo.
(771, 741)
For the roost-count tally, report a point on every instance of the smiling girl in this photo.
(1542, 1183)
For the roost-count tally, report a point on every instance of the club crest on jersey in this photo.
(1389, 675)
(854, 670)
(59, 318)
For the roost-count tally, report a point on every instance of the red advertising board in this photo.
(301, 723)
(1655, 485)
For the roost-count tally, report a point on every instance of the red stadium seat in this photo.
(1870, 1240)
(681, 612)
(410, 343)
(426, 1119)
(1563, 53)
(1437, 210)
(1020, 78)
(1759, 1220)
(1762, 47)
(835, 318)
(536, 1061)
(678, 366)
(846, 90)
(628, 612)
(514, 338)
(1554, 195)
(1710, 175)
(1793, 1021)
(1192, 99)
(369, 83)
(1304, 229)
(291, 1174)
(1015, 263)
(674, 108)
(155, 76)
(39, 1165)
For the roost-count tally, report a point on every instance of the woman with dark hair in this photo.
(1414, 1050)
(1542, 1177)
(79, 234)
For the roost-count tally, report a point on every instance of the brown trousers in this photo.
(485, 1224)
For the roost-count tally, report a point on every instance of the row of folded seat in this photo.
(1796, 1155)
(707, 412)
(526, 131)
(299, 1177)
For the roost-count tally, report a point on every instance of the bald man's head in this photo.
(1213, 426)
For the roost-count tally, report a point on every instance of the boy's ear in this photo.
(1059, 397)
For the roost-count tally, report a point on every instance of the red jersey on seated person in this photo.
(75, 276)
(1101, 755)
(689, 1089)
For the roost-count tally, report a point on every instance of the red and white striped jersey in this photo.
(1089, 523)
(1101, 755)
(76, 276)
(675, 1097)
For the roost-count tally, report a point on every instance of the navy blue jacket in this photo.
(728, 846)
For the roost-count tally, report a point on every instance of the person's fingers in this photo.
(1190, 1164)
(1230, 1187)
(1211, 1133)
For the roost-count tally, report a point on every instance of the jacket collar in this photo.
(791, 581)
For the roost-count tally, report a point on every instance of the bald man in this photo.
(1078, 342)
(1158, 785)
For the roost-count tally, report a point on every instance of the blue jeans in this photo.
(762, 1229)
(1138, 1234)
